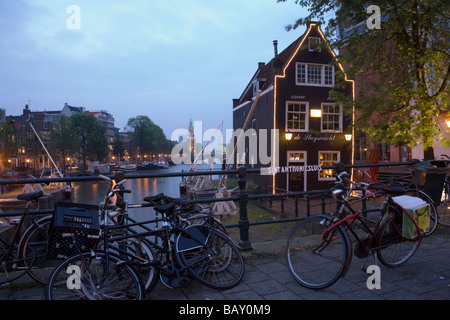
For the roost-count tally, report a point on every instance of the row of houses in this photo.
(291, 94)
(30, 155)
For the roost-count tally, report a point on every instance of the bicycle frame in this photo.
(340, 219)
(16, 237)
(170, 227)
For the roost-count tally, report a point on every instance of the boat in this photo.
(151, 166)
(127, 167)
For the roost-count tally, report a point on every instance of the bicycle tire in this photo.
(11, 267)
(121, 281)
(205, 218)
(37, 236)
(147, 272)
(210, 256)
(395, 241)
(434, 216)
(310, 267)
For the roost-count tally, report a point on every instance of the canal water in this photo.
(94, 192)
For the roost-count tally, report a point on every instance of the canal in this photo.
(93, 192)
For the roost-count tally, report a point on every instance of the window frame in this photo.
(298, 65)
(338, 159)
(341, 117)
(306, 129)
(318, 48)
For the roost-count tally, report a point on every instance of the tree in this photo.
(118, 147)
(147, 136)
(7, 141)
(92, 137)
(405, 64)
(64, 139)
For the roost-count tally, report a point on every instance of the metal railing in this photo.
(242, 196)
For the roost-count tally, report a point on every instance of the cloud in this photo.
(166, 59)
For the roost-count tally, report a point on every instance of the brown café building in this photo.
(295, 100)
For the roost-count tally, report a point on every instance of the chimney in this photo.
(275, 47)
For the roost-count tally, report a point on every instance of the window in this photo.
(314, 44)
(314, 74)
(329, 75)
(328, 158)
(296, 180)
(331, 117)
(255, 88)
(297, 116)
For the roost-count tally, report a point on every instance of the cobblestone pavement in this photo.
(426, 276)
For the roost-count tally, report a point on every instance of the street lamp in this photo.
(348, 136)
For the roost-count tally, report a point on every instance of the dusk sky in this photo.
(169, 60)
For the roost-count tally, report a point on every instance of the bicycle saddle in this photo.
(31, 195)
(167, 207)
(154, 198)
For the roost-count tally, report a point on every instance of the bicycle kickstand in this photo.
(375, 261)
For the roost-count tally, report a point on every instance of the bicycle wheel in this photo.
(313, 261)
(93, 276)
(12, 268)
(397, 239)
(443, 208)
(141, 256)
(433, 216)
(205, 218)
(210, 256)
(36, 236)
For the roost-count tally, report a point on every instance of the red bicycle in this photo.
(319, 248)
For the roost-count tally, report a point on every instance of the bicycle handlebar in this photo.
(344, 177)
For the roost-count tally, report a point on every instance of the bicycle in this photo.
(26, 252)
(443, 208)
(197, 250)
(410, 189)
(319, 248)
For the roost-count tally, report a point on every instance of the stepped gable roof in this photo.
(267, 72)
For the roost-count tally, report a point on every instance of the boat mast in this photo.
(29, 121)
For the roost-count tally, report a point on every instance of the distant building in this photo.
(70, 110)
(29, 151)
(295, 100)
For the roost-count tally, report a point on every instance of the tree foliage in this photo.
(91, 134)
(64, 140)
(404, 65)
(7, 143)
(147, 136)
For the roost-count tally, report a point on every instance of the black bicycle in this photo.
(178, 251)
(25, 252)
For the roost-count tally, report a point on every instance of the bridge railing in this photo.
(242, 196)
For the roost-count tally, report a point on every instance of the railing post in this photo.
(119, 176)
(244, 224)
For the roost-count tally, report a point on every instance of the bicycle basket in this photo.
(74, 227)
